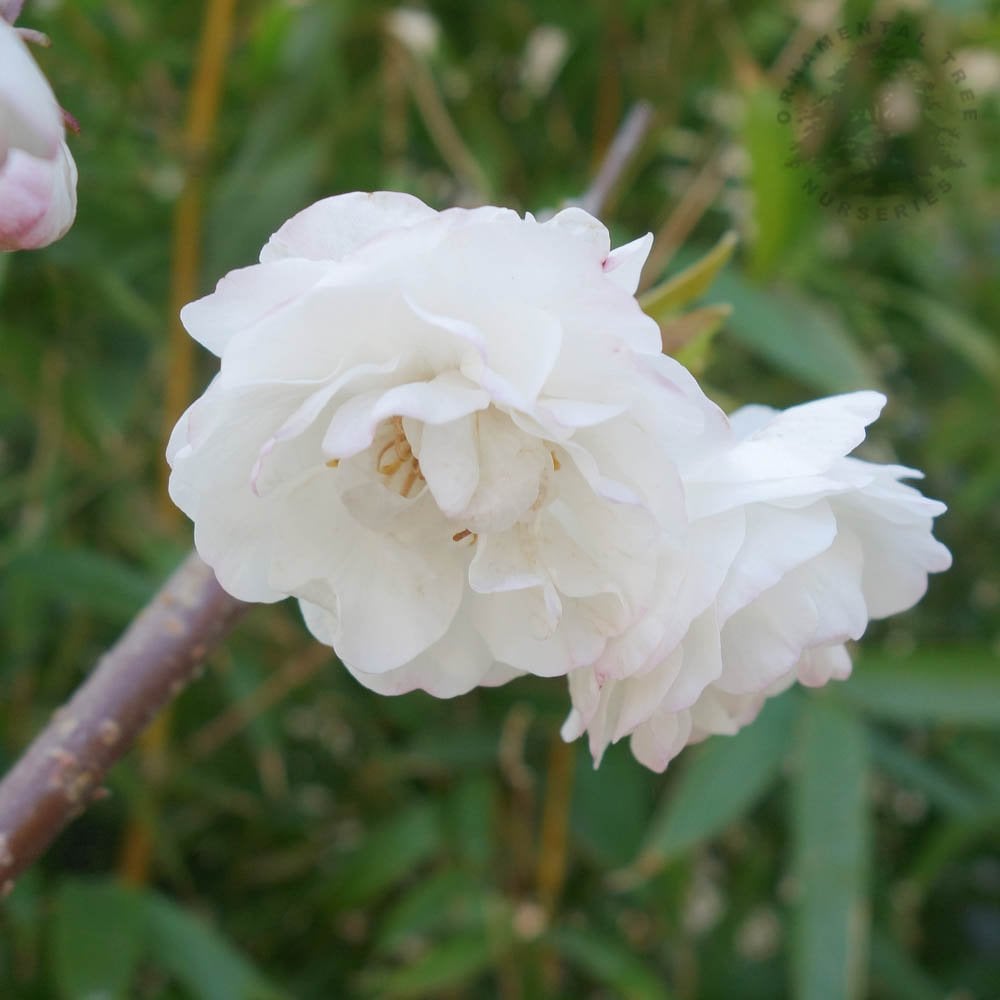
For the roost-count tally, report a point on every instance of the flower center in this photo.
(396, 462)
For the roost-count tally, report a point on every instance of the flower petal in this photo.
(335, 227)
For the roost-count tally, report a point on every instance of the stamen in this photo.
(555, 461)
(333, 463)
(460, 535)
(400, 456)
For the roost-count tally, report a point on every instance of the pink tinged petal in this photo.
(765, 640)
(507, 561)
(9, 10)
(624, 265)
(702, 665)
(511, 469)
(30, 119)
(37, 199)
(513, 368)
(335, 227)
(833, 581)
(331, 327)
(245, 297)
(500, 674)
(643, 696)
(818, 603)
(657, 742)
(603, 485)
(305, 415)
(897, 559)
(537, 644)
(802, 441)
(571, 413)
(459, 661)
(692, 580)
(442, 399)
(776, 541)
(822, 664)
(584, 229)
(392, 601)
(626, 451)
(720, 713)
(212, 450)
(449, 462)
(585, 696)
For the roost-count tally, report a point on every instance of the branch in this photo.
(623, 149)
(61, 772)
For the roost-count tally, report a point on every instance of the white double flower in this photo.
(454, 438)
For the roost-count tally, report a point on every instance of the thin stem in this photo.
(61, 772)
(199, 132)
(620, 156)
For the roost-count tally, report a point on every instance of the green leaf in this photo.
(947, 685)
(897, 975)
(447, 965)
(84, 578)
(98, 932)
(445, 898)
(970, 341)
(470, 818)
(199, 957)
(720, 781)
(830, 832)
(668, 298)
(941, 788)
(797, 335)
(609, 963)
(389, 854)
(611, 806)
(780, 207)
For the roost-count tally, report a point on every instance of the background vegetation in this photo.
(289, 834)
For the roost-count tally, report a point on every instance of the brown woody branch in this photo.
(62, 771)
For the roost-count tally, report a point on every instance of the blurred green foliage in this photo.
(313, 840)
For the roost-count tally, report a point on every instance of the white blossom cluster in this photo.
(454, 438)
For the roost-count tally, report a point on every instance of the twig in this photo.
(224, 727)
(621, 153)
(441, 127)
(61, 772)
(696, 200)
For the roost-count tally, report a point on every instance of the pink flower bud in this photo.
(37, 172)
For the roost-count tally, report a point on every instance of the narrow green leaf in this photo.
(830, 830)
(798, 336)
(98, 932)
(84, 578)
(685, 287)
(780, 206)
(610, 963)
(448, 965)
(199, 957)
(720, 782)
(897, 975)
(970, 341)
(948, 685)
(612, 806)
(941, 788)
(389, 853)
(447, 898)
